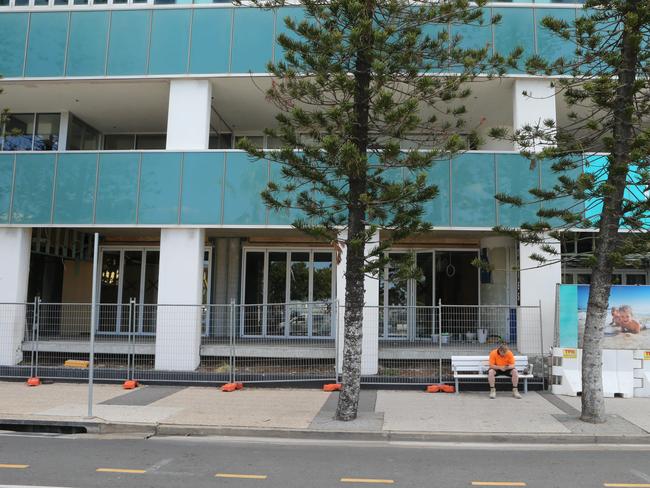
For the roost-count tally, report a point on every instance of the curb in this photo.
(176, 430)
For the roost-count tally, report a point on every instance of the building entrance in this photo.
(406, 305)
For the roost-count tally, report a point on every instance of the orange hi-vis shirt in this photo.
(498, 360)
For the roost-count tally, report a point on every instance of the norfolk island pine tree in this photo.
(605, 85)
(358, 78)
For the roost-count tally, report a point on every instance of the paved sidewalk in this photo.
(408, 415)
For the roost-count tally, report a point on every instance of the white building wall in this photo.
(15, 249)
(180, 279)
(370, 339)
(533, 102)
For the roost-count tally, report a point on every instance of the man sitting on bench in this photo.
(502, 363)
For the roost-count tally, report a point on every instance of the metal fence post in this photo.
(231, 327)
(93, 324)
(336, 341)
(439, 341)
(33, 369)
(130, 355)
(541, 342)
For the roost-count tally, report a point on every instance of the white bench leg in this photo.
(525, 385)
(457, 387)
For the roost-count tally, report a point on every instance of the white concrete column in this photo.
(64, 124)
(180, 286)
(370, 341)
(15, 250)
(533, 102)
(537, 284)
(188, 117)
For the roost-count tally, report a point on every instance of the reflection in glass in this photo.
(47, 132)
(277, 272)
(147, 317)
(321, 313)
(18, 132)
(254, 293)
(109, 289)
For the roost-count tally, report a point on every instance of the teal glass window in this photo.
(33, 188)
(74, 196)
(6, 182)
(13, 34)
(473, 189)
(475, 36)
(87, 45)
(283, 216)
(48, 35)
(159, 186)
(516, 29)
(549, 45)
(170, 39)
(436, 211)
(210, 50)
(129, 42)
(245, 180)
(117, 188)
(295, 13)
(253, 42)
(202, 188)
(515, 177)
(549, 180)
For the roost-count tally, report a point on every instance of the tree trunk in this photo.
(593, 403)
(348, 403)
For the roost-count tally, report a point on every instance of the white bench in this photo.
(472, 367)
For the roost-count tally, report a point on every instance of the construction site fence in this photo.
(260, 343)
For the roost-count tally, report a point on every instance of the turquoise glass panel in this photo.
(436, 211)
(473, 189)
(117, 189)
(284, 216)
(516, 29)
(568, 315)
(87, 48)
(129, 42)
(515, 177)
(549, 180)
(549, 45)
(210, 50)
(475, 36)
(33, 188)
(170, 39)
(6, 182)
(48, 35)
(295, 13)
(159, 187)
(595, 165)
(434, 31)
(202, 190)
(13, 34)
(245, 180)
(75, 188)
(252, 45)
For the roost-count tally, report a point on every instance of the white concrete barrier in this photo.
(642, 373)
(566, 371)
(618, 373)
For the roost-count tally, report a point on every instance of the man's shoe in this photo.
(493, 393)
(515, 393)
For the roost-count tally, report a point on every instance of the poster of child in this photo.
(628, 321)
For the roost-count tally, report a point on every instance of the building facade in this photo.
(123, 119)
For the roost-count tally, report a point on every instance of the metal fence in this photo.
(288, 342)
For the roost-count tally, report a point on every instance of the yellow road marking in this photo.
(628, 485)
(14, 466)
(241, 476)
(366, 480)
(498, 483)
(119, 470)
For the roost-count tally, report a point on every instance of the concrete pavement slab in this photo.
(115, 413)
(634, 410)
(19, 399)
(263, 407)
(467, 412)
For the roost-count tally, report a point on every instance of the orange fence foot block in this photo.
(433, 388)
(332, 387)
(447, 389)
(232, 387)
(33, 381)
(130, 384)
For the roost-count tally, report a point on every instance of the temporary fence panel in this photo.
(16, 327)
(284, 342)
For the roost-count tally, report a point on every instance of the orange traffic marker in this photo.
(130, 384)
(332, 387)
(232, 387)
(33, 381)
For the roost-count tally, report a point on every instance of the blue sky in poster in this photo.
(637, 297)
